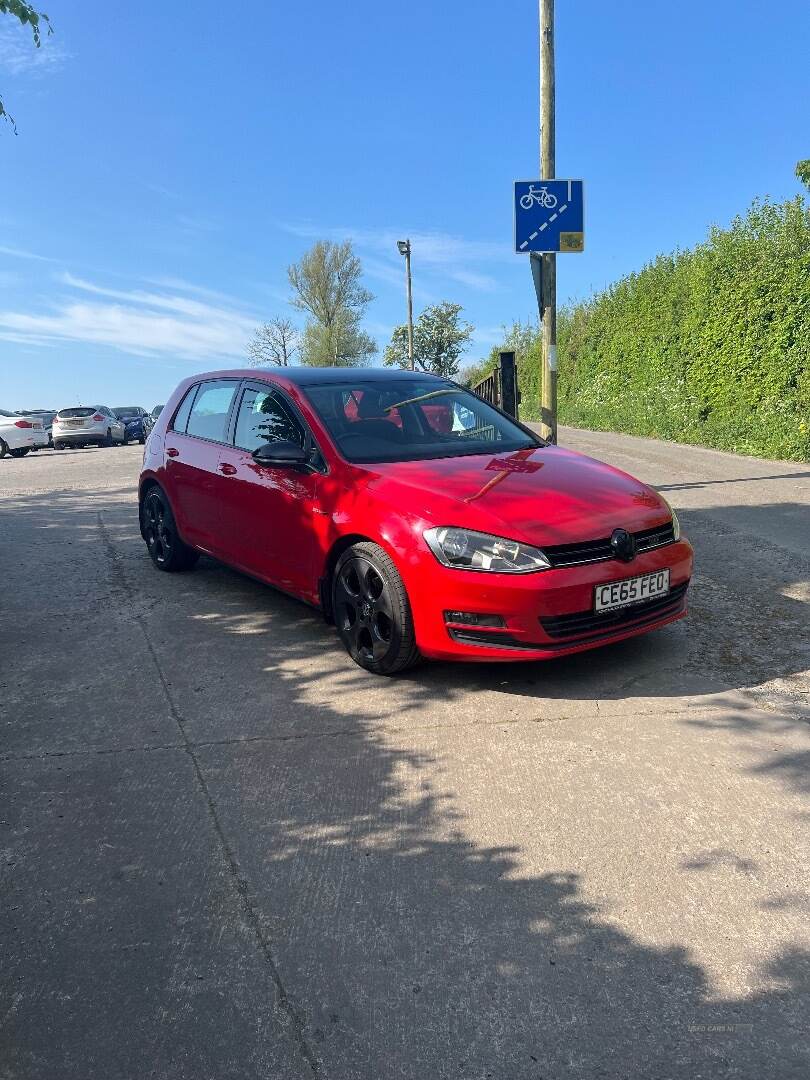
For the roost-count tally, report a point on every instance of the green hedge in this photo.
(707, 346)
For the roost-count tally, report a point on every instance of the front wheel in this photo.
(158, 528)
(526, 202)
(372, 611)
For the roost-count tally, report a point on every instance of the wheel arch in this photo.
(343, 543)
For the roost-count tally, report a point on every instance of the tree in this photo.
(28, 16)
(274, 342)
(343, 344)
(803, 172)
(327, 285)
(439, 338)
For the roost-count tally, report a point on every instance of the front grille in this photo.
(581, 623)
(589, 551)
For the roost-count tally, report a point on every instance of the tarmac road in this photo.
(226, 852)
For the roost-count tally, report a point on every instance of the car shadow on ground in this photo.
(405, 946)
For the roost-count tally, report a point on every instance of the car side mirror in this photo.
(280, 453)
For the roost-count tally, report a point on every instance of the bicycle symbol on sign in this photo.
(538, 195)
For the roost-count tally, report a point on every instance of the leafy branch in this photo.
(28, 16)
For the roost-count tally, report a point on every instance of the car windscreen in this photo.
(4, 413)
(411, 420)
(65, 414)
(128, 410)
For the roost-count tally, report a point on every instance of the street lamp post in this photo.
(405, 249)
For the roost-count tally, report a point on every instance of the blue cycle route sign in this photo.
(549, 216)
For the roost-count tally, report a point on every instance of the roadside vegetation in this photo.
(327, 287)
(709, 346)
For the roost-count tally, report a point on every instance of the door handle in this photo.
(171, 452)
(226, 469)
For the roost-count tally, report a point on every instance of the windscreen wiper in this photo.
(422, 397)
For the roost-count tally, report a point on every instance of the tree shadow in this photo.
(409, 939)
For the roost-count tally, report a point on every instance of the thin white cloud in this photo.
(180, 285)
(442, 255)
(19, 55)
(19, 253)
(135, 322)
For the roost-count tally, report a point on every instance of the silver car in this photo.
(87, 425)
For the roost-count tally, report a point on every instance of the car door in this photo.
(269, 509)
(117, 427)
(191, 451)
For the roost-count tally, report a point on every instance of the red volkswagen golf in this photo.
(420, 519)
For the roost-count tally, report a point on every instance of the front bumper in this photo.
(526, 601)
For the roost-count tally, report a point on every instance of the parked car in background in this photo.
(46, 416)
(20, 433)
(88, 425)
(421, 519)
(137, 421)
(158, 409)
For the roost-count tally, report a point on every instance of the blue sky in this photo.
(169, 166)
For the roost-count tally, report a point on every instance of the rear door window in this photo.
(209, 413)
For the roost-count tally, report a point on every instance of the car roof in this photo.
(320, 376)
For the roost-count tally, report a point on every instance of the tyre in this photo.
(372, 611)
(142, 440)
(166, 550)
(526, 202)
(3, 448)
(19, 453)
(109, 439)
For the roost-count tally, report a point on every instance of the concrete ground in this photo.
(226, 852)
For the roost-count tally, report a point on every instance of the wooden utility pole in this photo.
(548, 310)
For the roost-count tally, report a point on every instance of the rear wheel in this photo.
(372, 611)
(3, 448)
(108, 441)
(166, 549)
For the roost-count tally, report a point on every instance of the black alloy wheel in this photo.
(166, 549)
(372, 612)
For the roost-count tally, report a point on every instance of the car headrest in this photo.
(370, 405)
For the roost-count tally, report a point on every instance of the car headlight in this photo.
(676, 525)
(467, 550)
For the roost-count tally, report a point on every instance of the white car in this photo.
(87, 425)
(19, 434)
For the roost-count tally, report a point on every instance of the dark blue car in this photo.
(138, 422)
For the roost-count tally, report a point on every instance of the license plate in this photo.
(632, 590)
